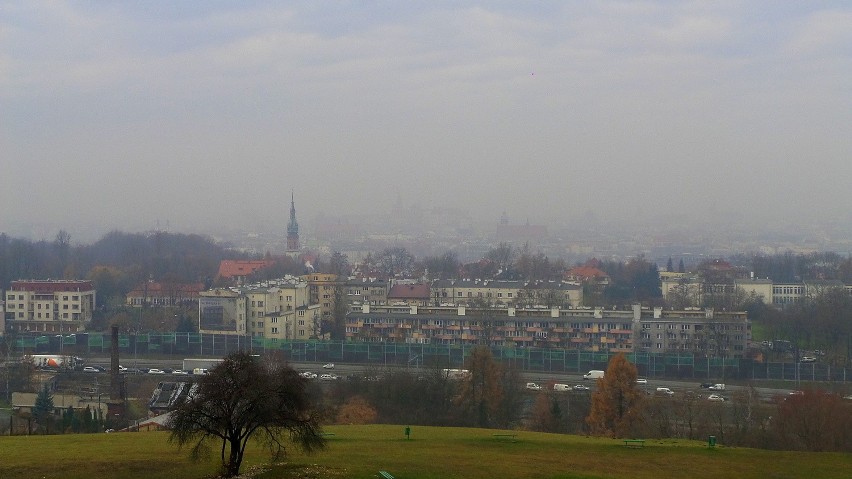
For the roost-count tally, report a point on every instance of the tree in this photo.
(482, 390)
(617, 401)
(395, 261)
(339, 264)
(243, 398)
(43, 408)
(357, 411)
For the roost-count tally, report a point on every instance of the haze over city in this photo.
(134, 115)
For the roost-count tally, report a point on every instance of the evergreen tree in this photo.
(669, 265)
(43, 408)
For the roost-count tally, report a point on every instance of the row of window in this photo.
(20, 297)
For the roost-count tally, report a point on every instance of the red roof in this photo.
(231, 268)
(585, 273)
(409, 291)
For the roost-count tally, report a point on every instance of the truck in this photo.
(594, 374)
(53, 361)
(199, 364)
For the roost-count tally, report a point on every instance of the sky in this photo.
(123, 115)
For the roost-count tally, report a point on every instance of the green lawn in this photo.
(362, 451)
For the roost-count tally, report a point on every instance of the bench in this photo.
(386, 475)
(634, 442)
(506, 436)
(326, 434)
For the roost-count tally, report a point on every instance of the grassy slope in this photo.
(362, 451)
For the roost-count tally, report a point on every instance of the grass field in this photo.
(362, 451)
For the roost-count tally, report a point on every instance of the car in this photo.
(665, 391)
(716, 397)
(717, 387)
(156, 371)
(807, 359)
(581, 387)
(641, 381)
(180, 372)
(91, 369)
(328, 377)
(707, 385)
(533, 387)
(328, 366)
(308, 375)
(122, 369)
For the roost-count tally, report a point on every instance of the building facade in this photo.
(275, 309)
(464, 292)
(56, 306)
(702, 332)
(164, 295)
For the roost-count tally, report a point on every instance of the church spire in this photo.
(292, 226)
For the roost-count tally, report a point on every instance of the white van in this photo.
(665, 391)
(561, 387)
(199, 371)
(594, 374)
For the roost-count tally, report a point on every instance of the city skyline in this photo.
(127, 116)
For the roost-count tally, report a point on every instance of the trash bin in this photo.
(711, 441)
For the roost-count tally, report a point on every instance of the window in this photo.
(274, 330)
(301, 312)
(301, 322)
(260, 304)
(260, 324)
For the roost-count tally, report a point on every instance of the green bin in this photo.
(711, 441)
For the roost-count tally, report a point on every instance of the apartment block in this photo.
(704, 332)
(507, 293)
(56, 306)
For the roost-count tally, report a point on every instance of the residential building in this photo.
(363, 290)
(223, 311)
(702, 332)
(506, 293)
(275, 309)
(321, 288)
(56, 306)
(409, 294)
(164, 294)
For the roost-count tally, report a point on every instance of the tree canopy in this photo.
(244, 398)
(616, 401)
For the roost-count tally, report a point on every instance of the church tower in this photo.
(292, 227)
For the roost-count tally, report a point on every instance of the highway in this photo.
(541, 378)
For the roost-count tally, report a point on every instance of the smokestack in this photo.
(115, 379)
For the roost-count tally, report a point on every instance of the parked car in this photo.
(328, 366)
(641, 381)
(156, 371)
(717, 387)
(328, 377)
(665, 391)
(533, 387)
(716, 397)
(808, 359)
(91, 369)
(180, 372)
(581, 387)
(707, 385)
(308, 375)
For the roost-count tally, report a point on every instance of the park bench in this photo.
(386, 475)
(327, 434)
(634, 442)
(510, 435)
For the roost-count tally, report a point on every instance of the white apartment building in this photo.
(54, 306)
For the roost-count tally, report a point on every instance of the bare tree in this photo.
(243, 398)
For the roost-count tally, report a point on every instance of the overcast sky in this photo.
(120, 114)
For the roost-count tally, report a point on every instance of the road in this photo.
(542, 378)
